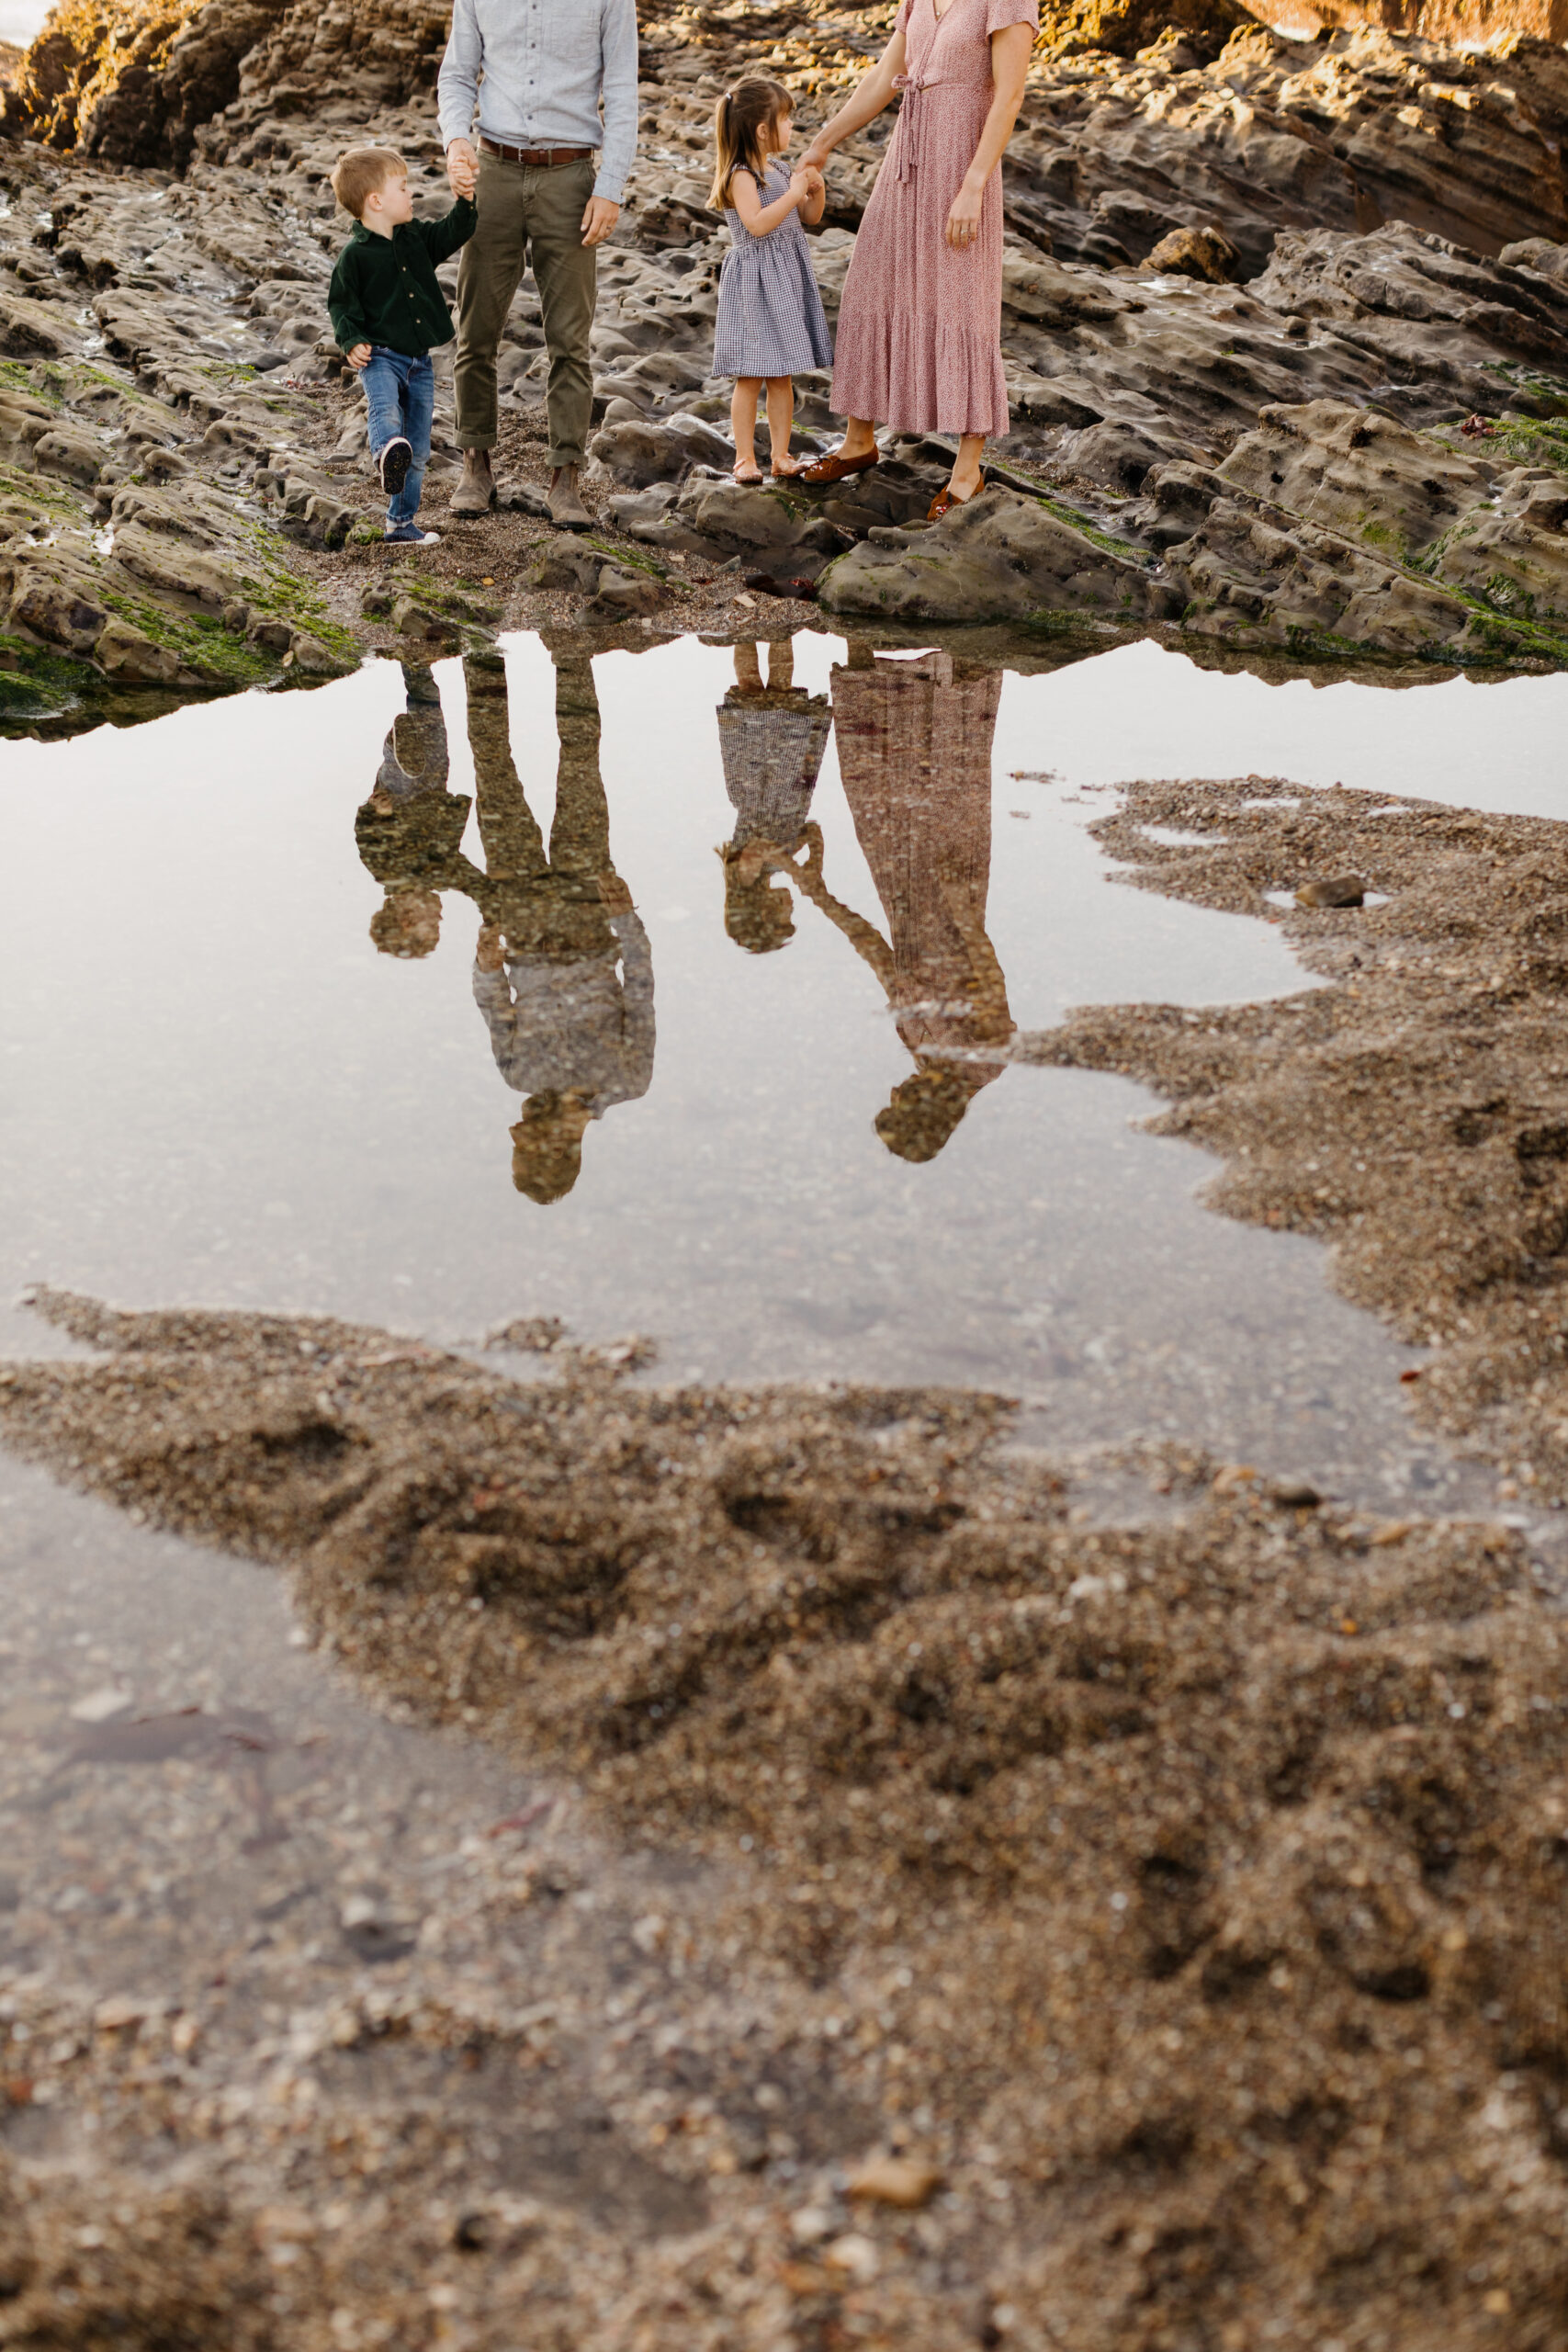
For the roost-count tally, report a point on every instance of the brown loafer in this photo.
(838, 466)
(943, 503)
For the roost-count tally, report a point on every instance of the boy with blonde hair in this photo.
(388, 312)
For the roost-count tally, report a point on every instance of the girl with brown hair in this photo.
(771, 326)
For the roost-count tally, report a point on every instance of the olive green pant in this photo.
(547, 901)
(528, 217)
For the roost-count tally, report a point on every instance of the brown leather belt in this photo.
(538, 159)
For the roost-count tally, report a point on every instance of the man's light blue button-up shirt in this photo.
(547, 63)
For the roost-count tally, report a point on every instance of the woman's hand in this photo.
(963, 227)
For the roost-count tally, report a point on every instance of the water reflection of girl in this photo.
(915, 754)
(771, 739)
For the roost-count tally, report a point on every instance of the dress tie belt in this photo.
(910, 136)
(910, 119)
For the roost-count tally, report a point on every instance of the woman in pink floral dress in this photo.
(920, 327)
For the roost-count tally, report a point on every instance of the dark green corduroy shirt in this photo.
(384, 289)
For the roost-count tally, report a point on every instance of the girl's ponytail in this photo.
(739, 122)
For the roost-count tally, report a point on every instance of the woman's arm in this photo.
(866, 101)
(1010, 66)
(760, 219)
(863, 936)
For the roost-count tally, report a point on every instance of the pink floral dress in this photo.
(919, 325)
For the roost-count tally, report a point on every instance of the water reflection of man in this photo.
(915, 754)
(409, 831)
(771, 739)
(563, 972)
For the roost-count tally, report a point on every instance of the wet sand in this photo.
(1175, 1889)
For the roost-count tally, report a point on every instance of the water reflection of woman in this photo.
(771, 739)
(915, 754)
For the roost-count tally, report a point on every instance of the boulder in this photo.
(525, 498)
(1195, 253)
(32, 330)
(1296, 586)
(1475, 518)
(58, 611)
(569, 564)
(1358, 472)
(1000, 558)
(174, 566)
(1539, 253)
(636, 454)
(625, 594)
(1427, 305)
(1120, 456)
(130, 658)
(1175, 501)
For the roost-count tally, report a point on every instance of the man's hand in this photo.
(488, 953)
(462, 167)
(599, 220)
(359, 357)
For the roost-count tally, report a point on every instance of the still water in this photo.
(669, 993)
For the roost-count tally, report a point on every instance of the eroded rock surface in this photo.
(1205, 227)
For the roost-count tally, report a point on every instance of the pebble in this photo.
(1334, 891)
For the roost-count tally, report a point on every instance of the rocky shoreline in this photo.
(1285, 324)
(960, 1897)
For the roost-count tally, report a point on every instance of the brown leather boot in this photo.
(475, 495)
(568, 512)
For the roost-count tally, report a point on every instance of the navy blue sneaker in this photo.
(409, 534)
(394, 463)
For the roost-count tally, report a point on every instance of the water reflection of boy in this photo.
(771, 739)
(563, 972)
(915, 755)
(409, 831)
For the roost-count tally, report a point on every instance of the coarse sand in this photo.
(1199, 1879)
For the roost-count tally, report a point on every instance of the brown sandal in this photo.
(943, 503)
(838, 466)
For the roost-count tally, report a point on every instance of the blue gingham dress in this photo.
(770, 320)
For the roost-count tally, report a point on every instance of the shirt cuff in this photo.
(610, 186)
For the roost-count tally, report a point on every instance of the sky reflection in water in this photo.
(670, 1096)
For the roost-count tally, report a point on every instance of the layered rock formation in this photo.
(1225, 249)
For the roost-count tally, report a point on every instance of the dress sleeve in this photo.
(1000, 14)
(901, 21)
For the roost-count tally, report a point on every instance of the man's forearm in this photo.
(458, 84)
(618, 50)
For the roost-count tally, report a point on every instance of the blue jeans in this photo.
(399, 396)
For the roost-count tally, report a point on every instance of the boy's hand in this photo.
(359, 357)
(614, 894)
(488, 954)
(462, 167)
